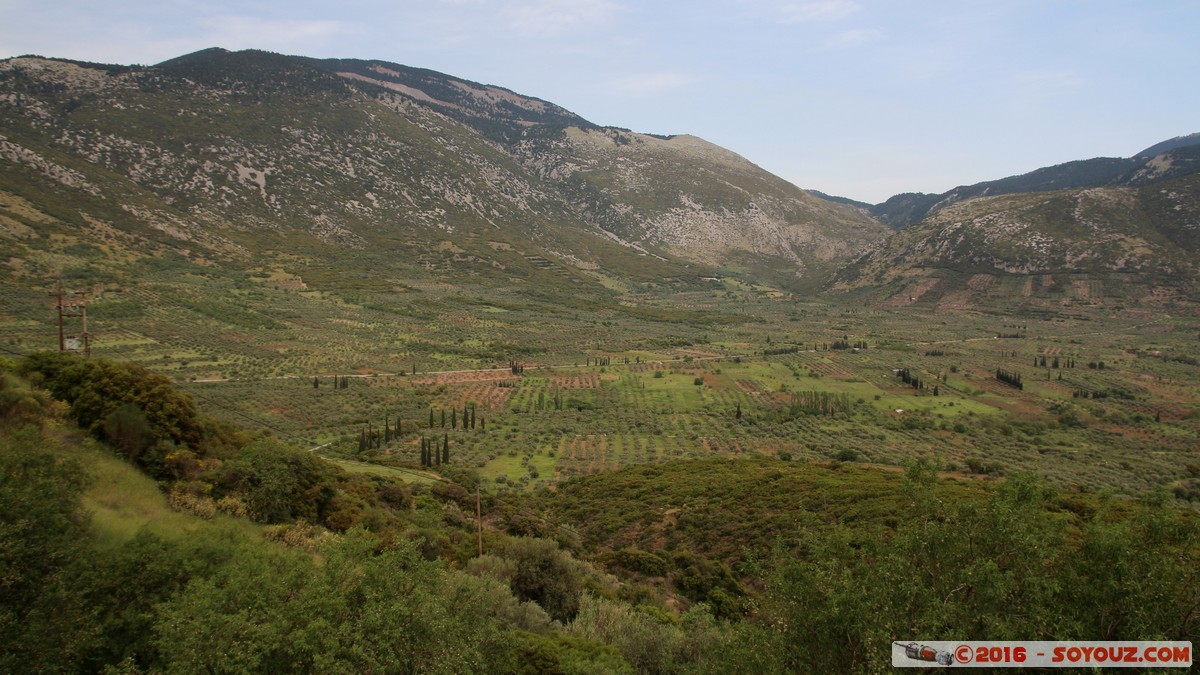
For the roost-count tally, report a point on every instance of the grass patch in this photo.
(123, 500)
(408, 476)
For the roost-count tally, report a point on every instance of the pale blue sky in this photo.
(862, 98)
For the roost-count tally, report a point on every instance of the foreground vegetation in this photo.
(246, 554)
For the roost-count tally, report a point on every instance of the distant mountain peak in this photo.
(1169, 145)
(502, 112)
(1170, 159)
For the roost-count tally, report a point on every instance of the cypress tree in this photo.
(445, 449)
(454, 418)
(443, 419)
(431, 418)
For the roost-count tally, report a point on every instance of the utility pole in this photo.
(62, 338)
(72, 308)
(478, 522)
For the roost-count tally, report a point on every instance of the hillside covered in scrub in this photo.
(365, 174)
(374, 168)
(142, 535)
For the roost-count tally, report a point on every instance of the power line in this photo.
(239, 413)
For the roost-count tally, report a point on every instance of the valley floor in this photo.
(1107, 397)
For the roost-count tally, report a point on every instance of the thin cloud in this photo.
(1047, 81)
(551, 18)
(647, 84)
(852, 38)
(817, 10)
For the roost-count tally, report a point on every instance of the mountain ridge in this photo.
(1158, 162)
(371, 172)
(218, 144)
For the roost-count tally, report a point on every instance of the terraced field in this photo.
(729, 372)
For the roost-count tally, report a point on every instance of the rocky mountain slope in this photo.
(1170, 159)
(365, 174)
(674, 195)
(1113, 244)
(370, 169)
(1106, 230)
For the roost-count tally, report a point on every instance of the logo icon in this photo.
(920, 652)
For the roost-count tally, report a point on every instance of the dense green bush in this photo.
(361, 611)
(105, 396)
(42, 532)
(1008, 567)
(546, 575)
(279, 484)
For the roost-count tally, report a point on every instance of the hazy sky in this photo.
(862, 98)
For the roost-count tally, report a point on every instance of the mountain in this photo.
(672, 195)
(1105, 230)
(366, 171)
(1097, 245)
(365, 175)
(1172, 144)
(840, 200)
(1170, 159)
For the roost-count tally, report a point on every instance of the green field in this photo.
(620, 378)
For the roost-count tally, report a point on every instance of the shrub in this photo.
(846, 455)
(545, 575)
(637, 560)
(278, 484)
(102, 395)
